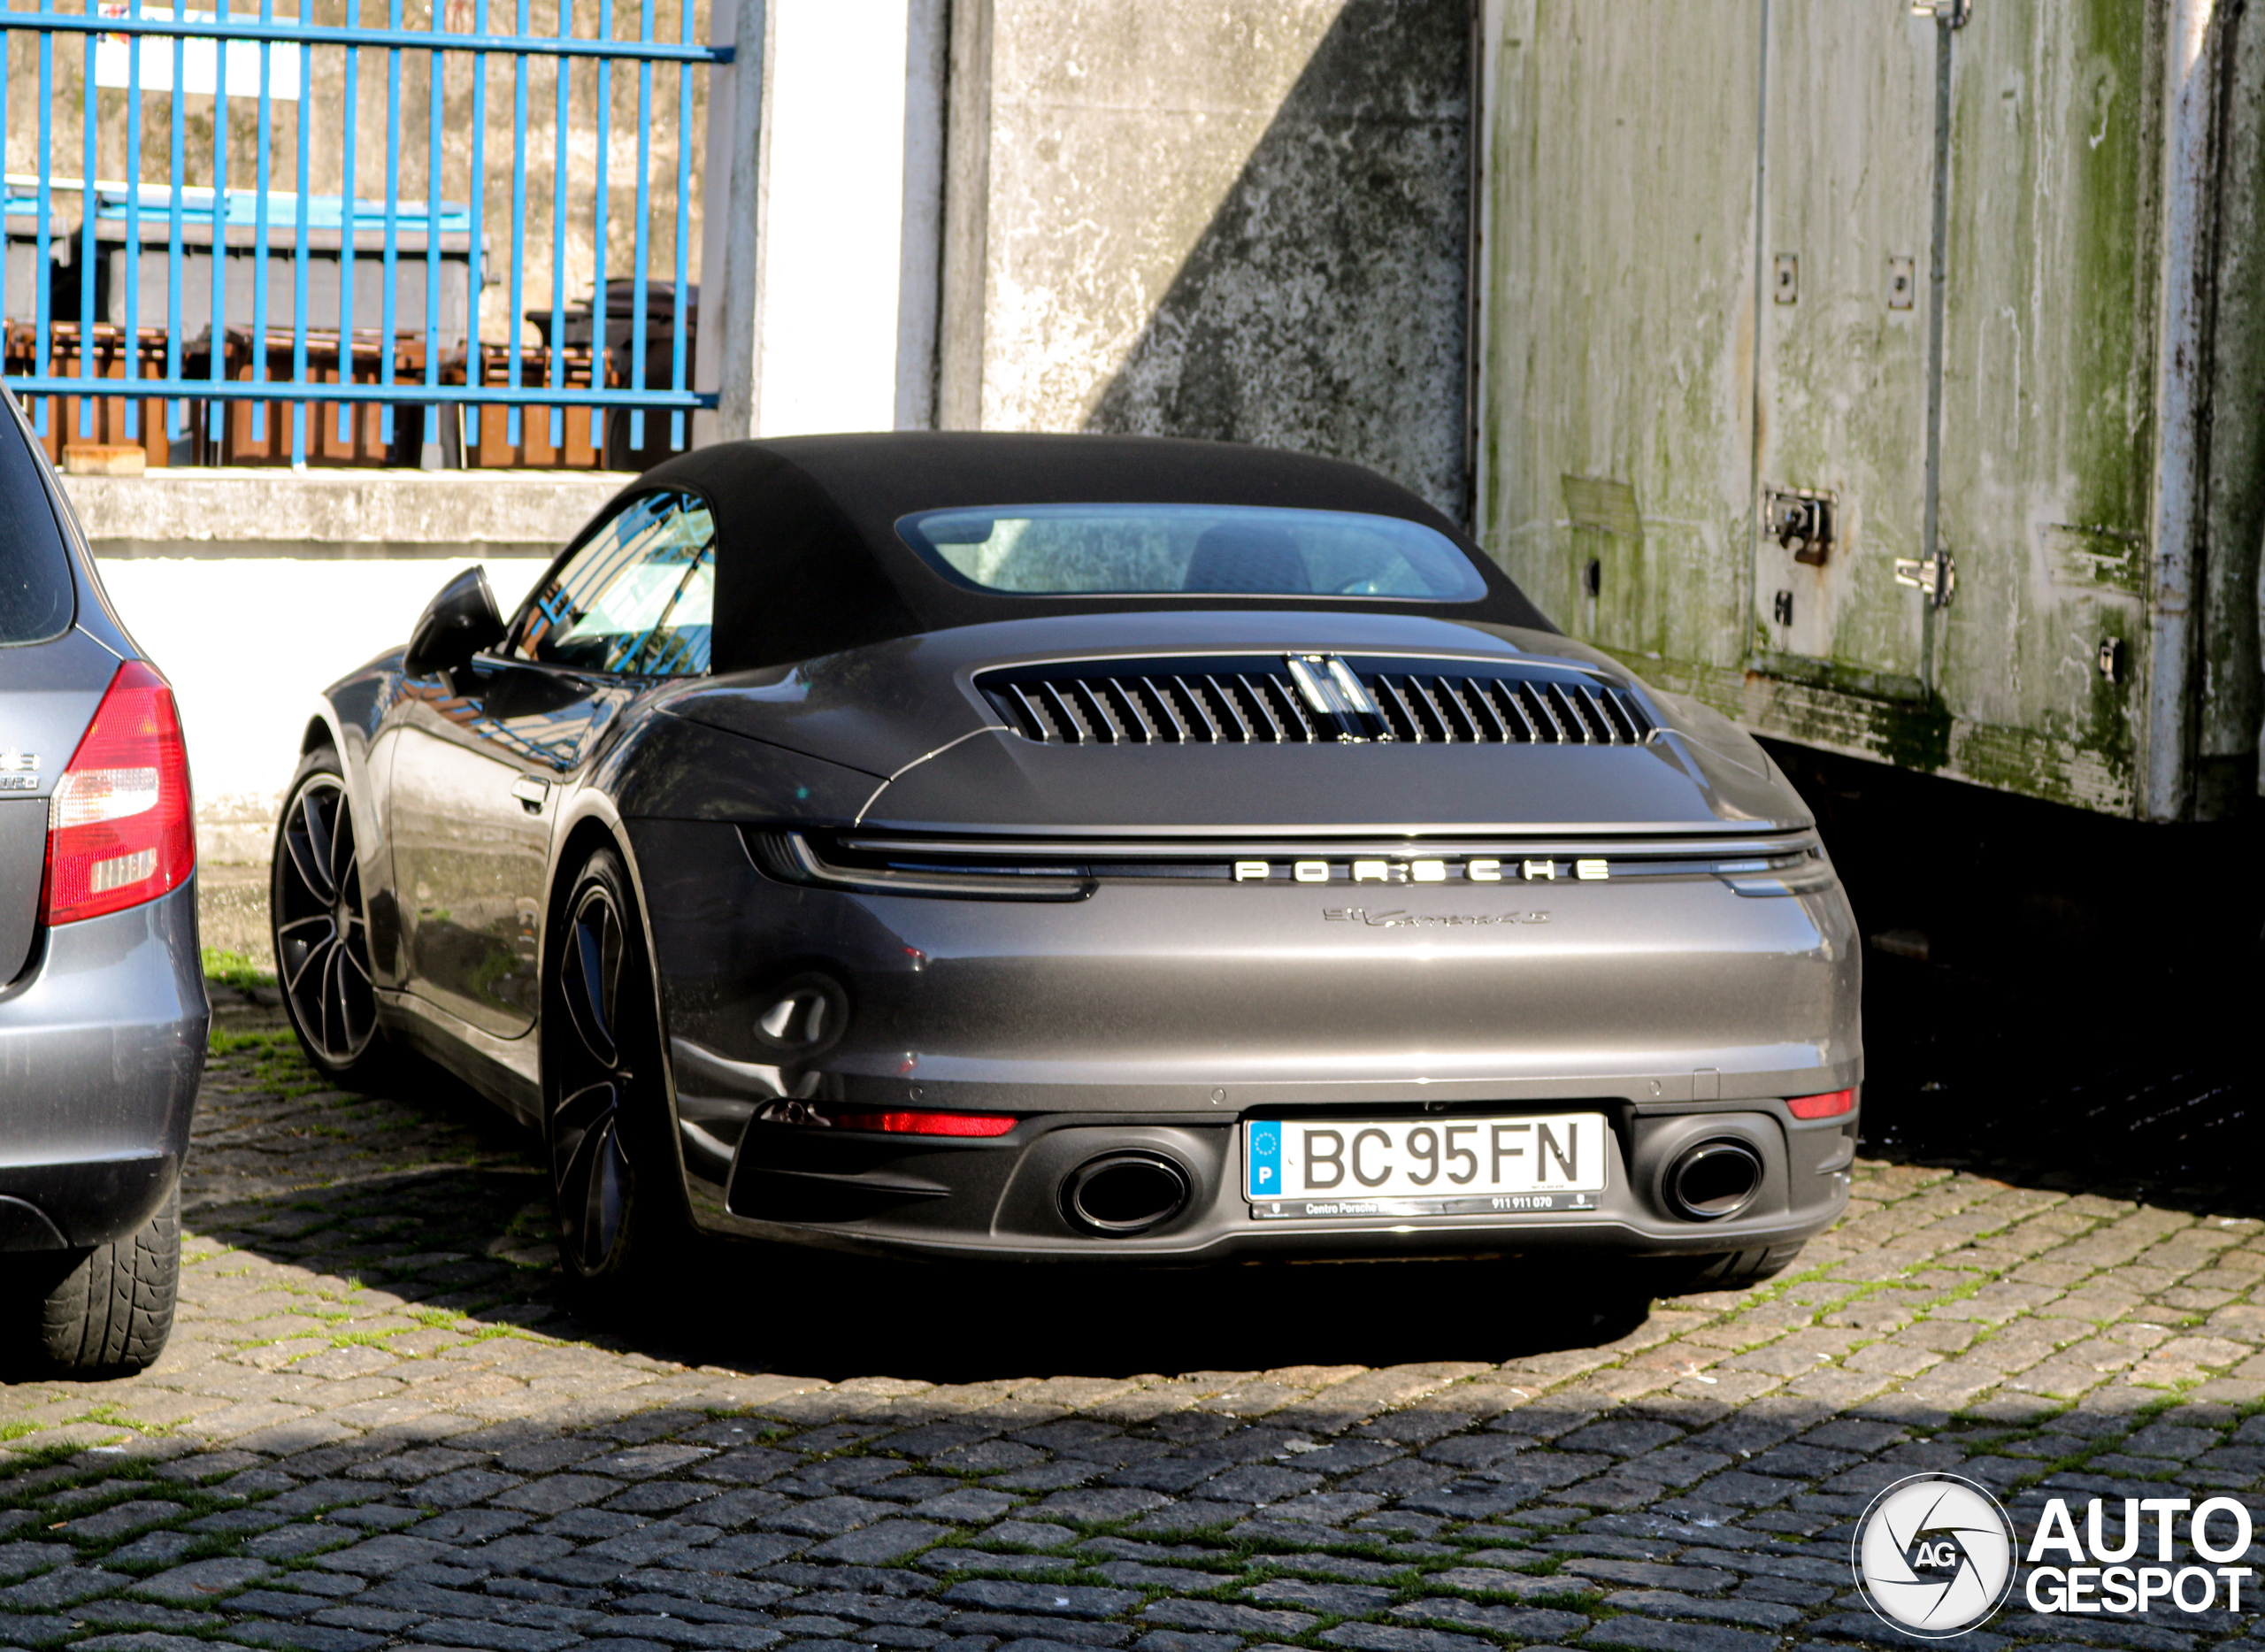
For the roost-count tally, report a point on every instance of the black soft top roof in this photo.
(808, 561)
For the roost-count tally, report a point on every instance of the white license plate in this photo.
(1430, 1166)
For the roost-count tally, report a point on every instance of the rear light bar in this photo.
(923, 1124)
(1831, 1104)
(120, 830)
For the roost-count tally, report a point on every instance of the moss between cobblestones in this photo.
(325, 1224)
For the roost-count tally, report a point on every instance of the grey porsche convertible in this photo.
(1074, 847)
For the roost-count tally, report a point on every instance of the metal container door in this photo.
(1848, 165)
(2049, 369)
(1614, 400)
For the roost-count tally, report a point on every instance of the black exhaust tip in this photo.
(1122, 1194)
(1714, 1179)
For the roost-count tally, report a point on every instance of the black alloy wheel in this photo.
(321, 925)
(604, 1091)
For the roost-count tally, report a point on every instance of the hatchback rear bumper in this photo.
(101, 1047)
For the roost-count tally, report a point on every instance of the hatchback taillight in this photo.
(119, 828)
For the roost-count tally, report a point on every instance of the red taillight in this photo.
(119, 830)
(1830, 1105)
(925, 1123)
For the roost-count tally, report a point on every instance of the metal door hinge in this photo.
(1937, 575)
(1954, 13)
(1801, 519)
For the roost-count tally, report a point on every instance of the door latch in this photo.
(1801, 519)
(1954, 13)
(532, 791)
(1936, 575)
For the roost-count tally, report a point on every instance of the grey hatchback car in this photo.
(103, 1016)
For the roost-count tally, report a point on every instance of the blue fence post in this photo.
(299, 263)
(43, 258)
(89, 127)
(517, 321)
(644, 223)
(475, 272)
(349, 221)
(176, 426)
(436, 89)
(132, 343)
(601, 324)
(677, 327)
(218, 367)
(260, 170)
(393, 224)
(558, 236)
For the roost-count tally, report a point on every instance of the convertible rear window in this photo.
(1165, 550)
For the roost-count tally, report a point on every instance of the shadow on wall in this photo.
(1323, 308)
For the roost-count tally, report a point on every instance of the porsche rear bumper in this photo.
(1156, 1017)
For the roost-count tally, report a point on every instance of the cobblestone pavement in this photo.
(376, 1425)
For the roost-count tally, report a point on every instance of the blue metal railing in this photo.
(200, 231)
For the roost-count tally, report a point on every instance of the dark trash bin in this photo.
(577, 327)
(26, 273)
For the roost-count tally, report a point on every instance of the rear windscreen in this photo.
(38, 599)
(1184, 550)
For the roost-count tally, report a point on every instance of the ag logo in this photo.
(1934, 1555)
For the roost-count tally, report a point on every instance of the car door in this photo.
(482, 755)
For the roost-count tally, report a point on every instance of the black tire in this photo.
(106, 1312)
(1732, 1271)
(319, 921)
(619, 1199)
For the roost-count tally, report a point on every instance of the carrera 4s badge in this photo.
(1399, 919)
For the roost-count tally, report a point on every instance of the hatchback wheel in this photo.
(104, 1312)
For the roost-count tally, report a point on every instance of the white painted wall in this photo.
(249, 643)
(848, 216)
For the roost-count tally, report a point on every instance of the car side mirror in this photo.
(455, 625)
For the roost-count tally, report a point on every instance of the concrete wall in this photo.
(1246, 220)
(253, 590)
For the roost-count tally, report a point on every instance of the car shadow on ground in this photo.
(434, 1196)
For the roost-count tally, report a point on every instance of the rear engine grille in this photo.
(1268, 699)
(1503, 711)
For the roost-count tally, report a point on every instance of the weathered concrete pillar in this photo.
(729, 268)
(821, 275)
(1247, 219)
